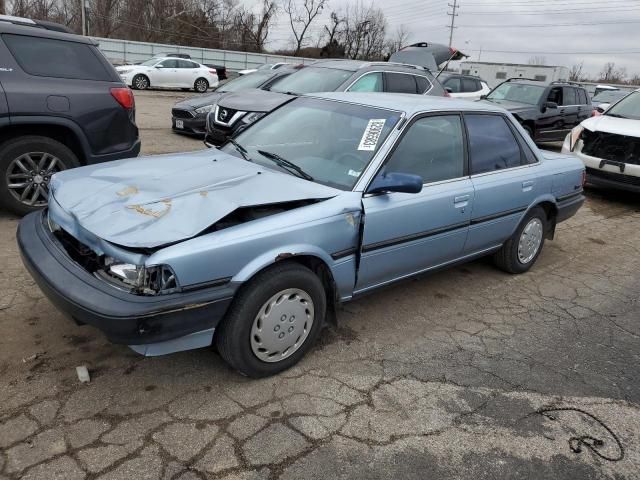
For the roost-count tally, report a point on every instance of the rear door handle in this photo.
(528, 185)
(461, 201)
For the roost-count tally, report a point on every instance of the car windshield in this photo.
(609, 96)
(253, 80)
(628, 107)
(518, 92)
(313, 80)
(331, 142)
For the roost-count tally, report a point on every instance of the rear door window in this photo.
(46, 57)
(170, 64)
(469, 85)
(186, 64)
(569, 94)
(400, 83)
(453, 84)
(492, 145)
(582, 95)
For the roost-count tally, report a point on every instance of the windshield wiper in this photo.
(243, 151)
(286, 164)
(614, 115)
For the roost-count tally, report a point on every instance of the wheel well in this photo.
(322, 270)
(552, 212)
(62, 134)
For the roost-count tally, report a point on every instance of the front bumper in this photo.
(607, 175)
(123, 317)
(191, 126)
(216, 136)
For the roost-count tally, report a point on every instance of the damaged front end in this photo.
(611, 146)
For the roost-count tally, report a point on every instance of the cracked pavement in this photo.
(439, 377)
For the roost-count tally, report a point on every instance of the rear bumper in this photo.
(569, 205)
(131, 152)
(124, 318)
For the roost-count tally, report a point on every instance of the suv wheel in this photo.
(273, 321)
(140, 82)
(26, 166)
(201, 85)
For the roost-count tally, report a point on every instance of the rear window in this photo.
(400, 83)
(46, 57)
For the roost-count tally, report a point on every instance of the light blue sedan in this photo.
(254, 245)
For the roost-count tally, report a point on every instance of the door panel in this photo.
(550, 123)
(570, 108)
(408, 233)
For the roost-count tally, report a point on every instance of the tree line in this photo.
(359, 32)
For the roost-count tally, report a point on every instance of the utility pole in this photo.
(453, 16)
(83, 17)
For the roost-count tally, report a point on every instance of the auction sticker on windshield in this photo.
(371, 135)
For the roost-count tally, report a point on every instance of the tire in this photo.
(238, 338)
(201, 85)
(510, 257)
(20, 161)
(140, 82)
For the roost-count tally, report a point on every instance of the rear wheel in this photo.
(521, 251)
(273, 321)
(140, 82)
(201, 85)
(26, 166)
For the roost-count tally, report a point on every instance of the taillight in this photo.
(124, 96)
(213, 72)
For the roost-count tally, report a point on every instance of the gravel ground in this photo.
(440, 377)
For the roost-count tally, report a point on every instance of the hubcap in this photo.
(141, 83)
(530, 240)
(28, 177)
(201, 86)
(282, 325)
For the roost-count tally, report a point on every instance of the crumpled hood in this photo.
(620, 126)
(199, 101)
(152, 201)
(254, 100)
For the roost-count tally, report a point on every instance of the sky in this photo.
(565, 32)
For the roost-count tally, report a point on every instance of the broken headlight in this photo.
(142, 279)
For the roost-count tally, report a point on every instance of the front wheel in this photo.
(140, 82)
(273, 321)
(201, 85)
(521, 251)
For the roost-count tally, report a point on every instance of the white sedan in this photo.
(168, 72)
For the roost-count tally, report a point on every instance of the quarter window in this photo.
(423, 84)
(400, 83)
(47, 57)
(492, 145)
(372, 82)
(582, 95)
(432, 148)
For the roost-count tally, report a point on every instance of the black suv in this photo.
(546, 111)
(235, 111)
(62, 105)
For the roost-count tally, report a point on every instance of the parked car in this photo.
(604, 88)
(609, 145)
(190, 115)
(62, 105)
(266, 66)
(546, 111)
(604, 99)
(237, 110)
(221, 70)
(464, 86)
(328, 198)
(168, 72)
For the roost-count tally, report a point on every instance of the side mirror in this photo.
(396, 182)
(552, 105)
(483, 97)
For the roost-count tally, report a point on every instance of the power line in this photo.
(611, 52)
(544, 25)
(549, 12)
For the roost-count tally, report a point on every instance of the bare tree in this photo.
(254, 28)
(575, 73)
(301, 18)
(400, 39)
(537, 61)
(611, 74)
(364, 32)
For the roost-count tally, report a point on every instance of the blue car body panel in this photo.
(163, 210)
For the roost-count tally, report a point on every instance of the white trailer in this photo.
(496, 73)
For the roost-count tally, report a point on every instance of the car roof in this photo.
(34, 30)
(356, 65)
(409, 103)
